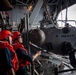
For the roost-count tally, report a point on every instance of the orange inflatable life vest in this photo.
(21, 62)
(15, 63)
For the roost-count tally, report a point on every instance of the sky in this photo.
(71, 15)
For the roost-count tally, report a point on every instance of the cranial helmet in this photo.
(4, 34)
(16, 35)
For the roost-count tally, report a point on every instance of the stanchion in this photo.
(31, 67)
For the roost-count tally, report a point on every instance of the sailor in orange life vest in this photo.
(8, 58)
(23, 56)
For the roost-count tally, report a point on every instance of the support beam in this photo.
(35, 12)
(22, 2)
(27, 1)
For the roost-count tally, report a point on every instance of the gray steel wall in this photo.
(56, 37)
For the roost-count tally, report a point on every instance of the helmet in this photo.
(16, 35)
(4, 34)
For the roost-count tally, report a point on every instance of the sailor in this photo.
(23, 56)
(8, 58)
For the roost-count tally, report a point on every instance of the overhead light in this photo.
(30, 7)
